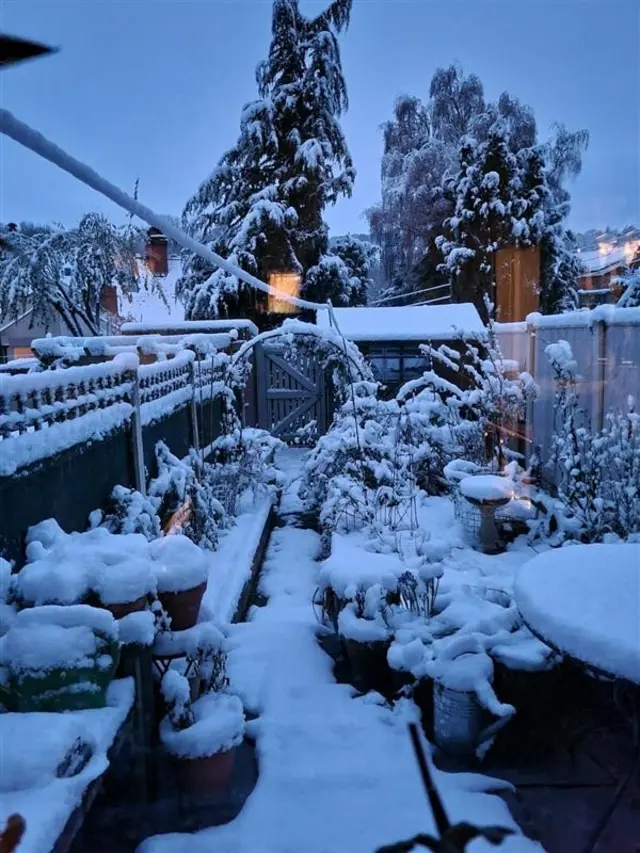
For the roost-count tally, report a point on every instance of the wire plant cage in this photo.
(225, 484)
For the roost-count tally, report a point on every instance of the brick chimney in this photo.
(157, 254)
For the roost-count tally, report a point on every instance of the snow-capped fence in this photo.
(606, 346)
(34, 402)
(68, 436)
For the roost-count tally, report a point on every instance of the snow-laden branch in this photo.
(29, 138)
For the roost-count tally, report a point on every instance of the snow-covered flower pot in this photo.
(201, 737)
(181, 574)
(466, 712)
(366, 642)
(95, 567)
(60, 658)
(458, 720)
(123, 588)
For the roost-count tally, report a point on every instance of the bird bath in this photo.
(487, 492)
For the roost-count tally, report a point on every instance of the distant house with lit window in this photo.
(390, 337)
(150, 305)
(601, 269)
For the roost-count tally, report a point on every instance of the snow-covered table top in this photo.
(585, 601)
(31, 748)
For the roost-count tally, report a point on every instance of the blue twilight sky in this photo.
(153, 89)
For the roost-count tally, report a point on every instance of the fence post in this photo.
(262, 384)
(136, 436)
(531, 334)
(600, 344)
(193, 408)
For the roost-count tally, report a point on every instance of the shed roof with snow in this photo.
(417, 323)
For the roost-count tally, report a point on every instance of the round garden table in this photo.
(584, 601)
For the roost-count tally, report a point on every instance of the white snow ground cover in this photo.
(337, 773)
(230, 565)
(32, 746)
(585, 600)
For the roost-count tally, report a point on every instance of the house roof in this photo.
(599, 262)
(405, 323)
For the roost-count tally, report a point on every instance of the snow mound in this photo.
(46, 647)
(585, 601)
(179, 564)
(219, 726)
(137, 628)
(65, 567)
(349, 569)
(486, 488)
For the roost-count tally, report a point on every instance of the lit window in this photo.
(284, 282)
(22, 352)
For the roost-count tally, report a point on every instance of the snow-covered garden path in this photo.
(337, 772)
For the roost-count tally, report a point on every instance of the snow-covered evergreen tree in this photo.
(497, 202)
(63, 272)
(421, 154)
(629, 284)
(344, 274)
(263, 205)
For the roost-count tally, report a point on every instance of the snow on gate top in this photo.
(406, 323)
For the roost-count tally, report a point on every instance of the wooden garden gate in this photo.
(291, 393)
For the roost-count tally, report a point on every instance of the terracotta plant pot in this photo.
(119, 609)
(183, 607)
(125, 608)
(198, 777)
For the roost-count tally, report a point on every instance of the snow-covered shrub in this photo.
(472, 418)
(7, 582)
(598, 473)
(352, 461)
(172, 482)
(365, 618)
(214, 722)
(217, 726)
(211, 660)
(629, 282)
(129, 511)
(191, 482)
(161, 619)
